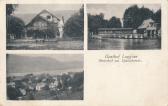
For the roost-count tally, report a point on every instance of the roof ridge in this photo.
(44, 10)
(38, 15)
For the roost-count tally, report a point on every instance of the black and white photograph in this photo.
(124, 26)
(44, 26)
(45, 77)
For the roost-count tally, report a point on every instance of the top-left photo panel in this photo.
(44, 26)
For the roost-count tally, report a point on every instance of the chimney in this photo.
(62, 19)
(122, 22)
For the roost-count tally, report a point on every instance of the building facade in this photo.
(148, 29)
(44, 25)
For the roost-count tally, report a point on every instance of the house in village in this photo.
(12, 84)
(54, 84)
(44, 25)
(148, 29)
(22, 91)
(40, 86)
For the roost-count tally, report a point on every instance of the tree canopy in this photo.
(114, 22)
(98, 21)
(14, 25)
(95, 22)
(10, 8)
(157, 17)
(74, 26)
(134, 16)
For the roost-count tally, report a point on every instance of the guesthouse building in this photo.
(44, 25)
(148, 29)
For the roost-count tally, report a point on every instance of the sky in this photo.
(117, 10)
(58, 57)
(36, 8)
(43, 63)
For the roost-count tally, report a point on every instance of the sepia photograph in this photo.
(45, 77)
(44, 26)
(124, 26)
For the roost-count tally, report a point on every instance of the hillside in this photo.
(21, 64)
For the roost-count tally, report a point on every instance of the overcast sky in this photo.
(36, 8)
(117, 10)
(47, 62)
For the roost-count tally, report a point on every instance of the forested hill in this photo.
(19, 64)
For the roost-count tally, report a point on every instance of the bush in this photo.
(15, 26)
(74, 27)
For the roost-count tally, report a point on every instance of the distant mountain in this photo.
(21, 64)
(27, 17)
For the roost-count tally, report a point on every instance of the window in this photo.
(48, 17)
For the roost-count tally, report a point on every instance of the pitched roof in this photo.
(30, 17)
(146, 23)
(27, 17)
(43, 11)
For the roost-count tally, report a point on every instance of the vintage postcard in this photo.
(84, 53)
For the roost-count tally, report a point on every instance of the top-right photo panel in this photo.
(124, 26)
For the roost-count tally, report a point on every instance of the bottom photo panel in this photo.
(45, 77)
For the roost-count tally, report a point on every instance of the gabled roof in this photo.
(146, 23)
(27, 17)
(38, 16)
(45, 11)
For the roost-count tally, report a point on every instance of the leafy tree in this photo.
(74, 27)
(10, 8)
(95, 22)
(13, 93)
(134, 16)
(15, 26)
(114, 22)
(98, 21)
(157, 17)
(77, 81)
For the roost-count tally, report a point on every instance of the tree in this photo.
(74, 27)
(10, 8)
(114, 22)
(128, 16)
(95, 22)
(134, 16)
(77, 81)
(15, 26)
(157, 17)
(98, 21)
(13, 93)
